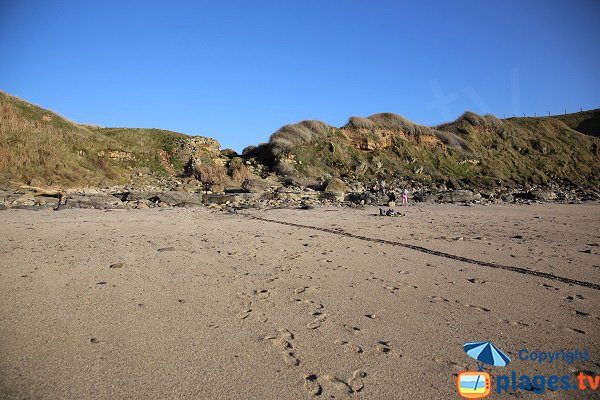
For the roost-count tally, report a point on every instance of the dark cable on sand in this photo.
(425, 250)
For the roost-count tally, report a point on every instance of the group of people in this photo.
(384, 190)
(382, 187)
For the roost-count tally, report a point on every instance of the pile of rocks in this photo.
(265, 193)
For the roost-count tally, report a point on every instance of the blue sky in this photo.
(238, 70)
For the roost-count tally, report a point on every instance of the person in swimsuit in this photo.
(405, 197)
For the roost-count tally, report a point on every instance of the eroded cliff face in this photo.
(480, 151)
(198, 150)
(382, 138)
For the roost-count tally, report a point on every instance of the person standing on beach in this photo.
(405, 197)
(382, 186)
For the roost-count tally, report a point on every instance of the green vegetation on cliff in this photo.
(43, 147)
(40, 147)
(481, 151)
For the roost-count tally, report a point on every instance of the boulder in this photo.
(335, 189)
(362, 198)
(507, 197)
(255, 185)
(459, 196)
(336, 186)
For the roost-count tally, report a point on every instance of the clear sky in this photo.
(238, 70)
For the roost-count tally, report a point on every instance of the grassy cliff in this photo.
(42, 147)
(479, 151)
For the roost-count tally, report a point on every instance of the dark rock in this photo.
(426, 197)
(136, 195)
(365, 197)
(100, 201)
(458, 196)
(452, 184)
(177, 198)
(123, 196)
(507, 197)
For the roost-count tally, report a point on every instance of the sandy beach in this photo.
(188, 303)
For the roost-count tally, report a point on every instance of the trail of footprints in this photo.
(440, 299)
(283, 339)
(314, 384)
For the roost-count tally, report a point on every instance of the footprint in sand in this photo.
(300, 289)
(317, 322)
(383, 347)
(283, 341)
(352, 329)
(575, 330)
(313, 304)
(356, 383)
(337, 384)
(163, 249)
(477, 308)
(392, 289)
(581, 313)
(546, 286)
(311, 385)
(332, 383)
(349, 346)
(262, 294)
(438, 299)
(573, 298)
(291, 359)
(476, 281)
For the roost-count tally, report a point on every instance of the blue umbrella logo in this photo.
(486, 353)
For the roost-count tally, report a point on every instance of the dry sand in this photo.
(209, 305)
